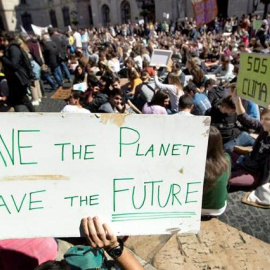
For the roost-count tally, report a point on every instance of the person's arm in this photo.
(242, 115)
(133, 107)
(162, 86)
(100, 235)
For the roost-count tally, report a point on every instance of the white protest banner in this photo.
(161, 58)
(142, 174)
(23, 30)
(39, 30)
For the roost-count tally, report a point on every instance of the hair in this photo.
(185, 101)
(145, 76)
(115, 79)
(174, 79)
(92, 80)
(216, 163)
(210, 82)
(225, 60)
(116, 92)
(54, 265)
(265, 111)
(79, 77)
(228, 102)
(78, 95)
(158, 98)
(190, 87)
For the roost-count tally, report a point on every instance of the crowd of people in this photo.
(115, 64)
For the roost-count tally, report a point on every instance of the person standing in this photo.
(17, 69)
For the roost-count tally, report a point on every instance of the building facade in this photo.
(84, 13)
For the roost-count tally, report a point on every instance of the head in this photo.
(54, 265)
(116, 83)
(225, 61)
(209, 84)
(76, 98)
(186, 103)
(190, 89)
(116, 97)
(265, 120)
(93, 83)
(79, 70)
(145, 76)
(227, 106)
(160, 98)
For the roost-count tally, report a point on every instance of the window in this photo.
(27, 21)
(66, 16)
(105, 12)
(125, 12)
(90, 15)
(53, 18)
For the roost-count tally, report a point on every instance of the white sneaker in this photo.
(35, 103)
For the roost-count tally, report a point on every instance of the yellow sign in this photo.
(253, 81)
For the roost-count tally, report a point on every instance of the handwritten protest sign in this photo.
(143, 174)
(253, 79)
(204, 11)
(257, 24)
(161, 58)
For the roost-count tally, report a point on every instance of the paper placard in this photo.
(253, 79)
(39, 30)
(80, 86)
(161, 58)
(142, 174)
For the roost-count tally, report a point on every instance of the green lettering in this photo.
(121, 143)
(175, 148)
(175, 193)
(144, 198)
(63, 151)
(137, 151)
(94, 198)
(165, 151)
(4, 204)
(24, 146)
(35, 202)
(190, 192)
(150, 150)
(79, 153)
(119, 190)
(11, 156)
(18, 209)
(71, 199)
(86, 151)
(188, 146)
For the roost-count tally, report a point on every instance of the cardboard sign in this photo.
(257, 25)
(161, 58)
(204, 11)
(142, 174)
(253, 79)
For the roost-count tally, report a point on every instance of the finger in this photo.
(109, 232)
(92, 232)
(100, 232)
(84, 225)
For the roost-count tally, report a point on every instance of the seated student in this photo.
(185, 105)
(254, 169)
(224, 118)
(114, 103)
(96, 95)
(79, 75)
(99, 235)
(200, 100)
(217, 174)
(214, 93)
(75, 103)
(159, 104)
(174, 89)
(225, 69)
(144, 92)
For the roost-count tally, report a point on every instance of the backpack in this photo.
(85, 258)
(24, 74)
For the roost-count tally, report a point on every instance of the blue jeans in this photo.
(46, 76)
(243, 139)
(57, 74)
(65, 69)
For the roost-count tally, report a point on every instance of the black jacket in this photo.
(50, 54)
(216, 94)
(225, 123)
(98, 100)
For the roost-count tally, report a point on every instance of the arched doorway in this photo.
(105, 12)
(125, 11)
(26, 21)
(147, 8)
(223, 8)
